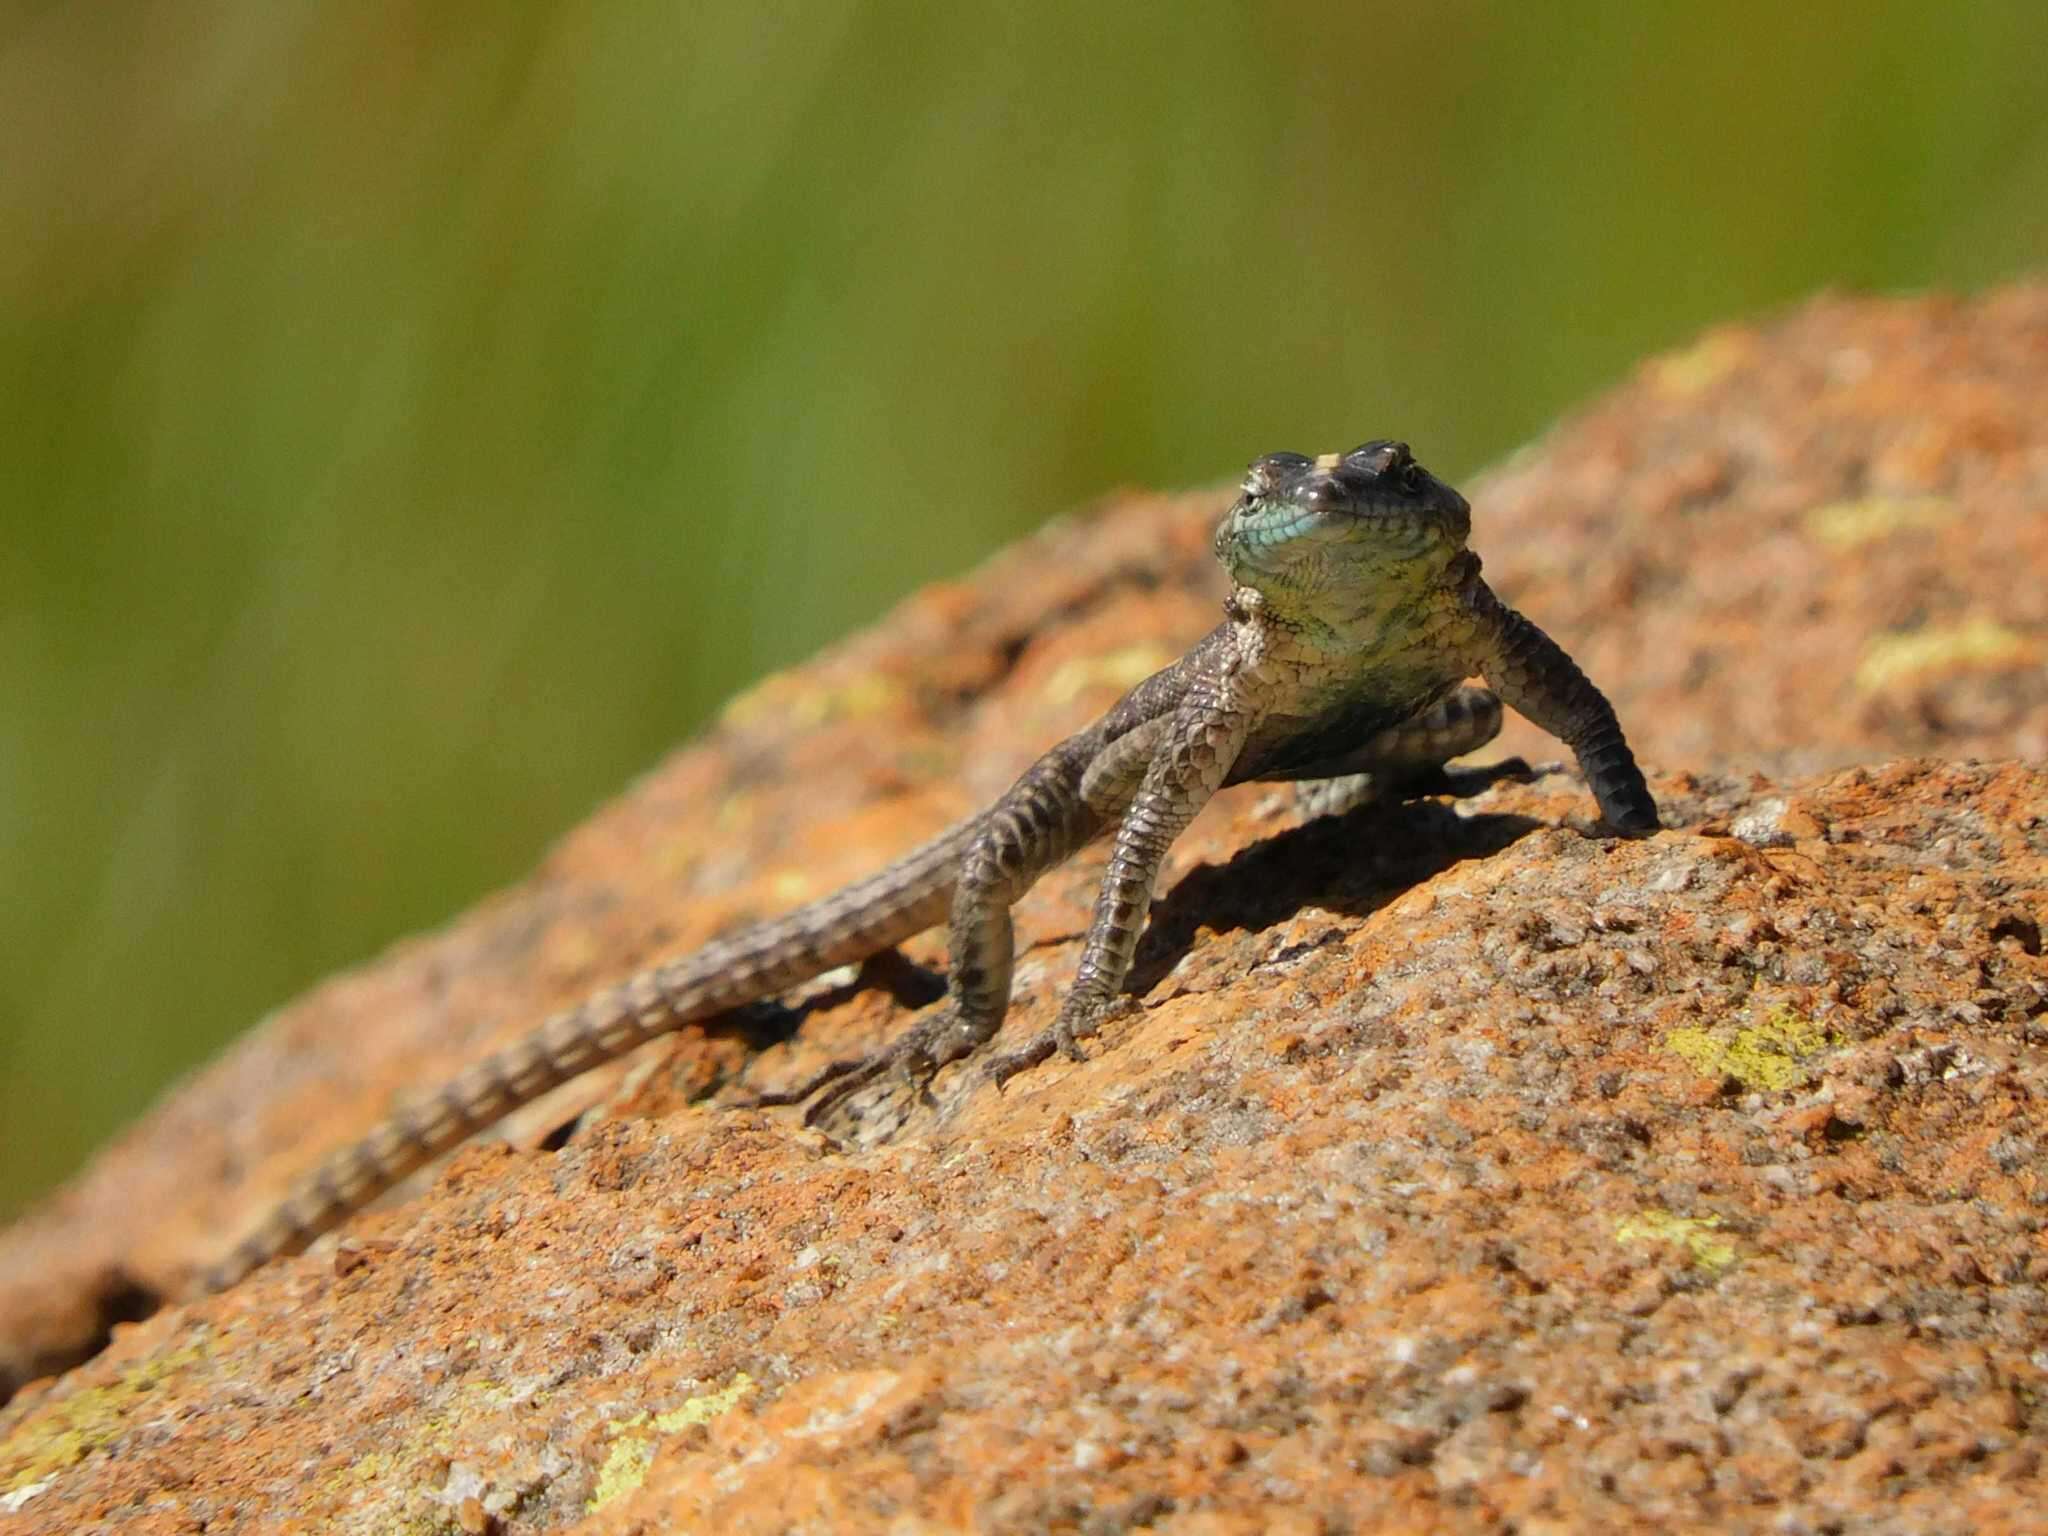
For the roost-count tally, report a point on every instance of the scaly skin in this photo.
(1356, 610)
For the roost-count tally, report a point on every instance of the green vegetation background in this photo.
(415, 418)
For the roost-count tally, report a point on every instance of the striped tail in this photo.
(908, 897)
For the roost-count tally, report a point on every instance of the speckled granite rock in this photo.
(1805, 543)
(1459, 1171)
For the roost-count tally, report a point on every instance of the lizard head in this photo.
(1303, 526)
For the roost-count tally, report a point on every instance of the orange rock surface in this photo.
(1458, 1170)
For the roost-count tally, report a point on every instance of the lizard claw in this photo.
(1084, 1021)
(913, 1055)
(797, 1093)
(1467, 783)
(916, 1067)
(1007, 1066)
(1074, 1025)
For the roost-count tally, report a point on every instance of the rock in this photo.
(1803, 543)
(1456, 1167)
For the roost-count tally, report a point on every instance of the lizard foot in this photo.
(1463, 783)
(1075, 1024)
(916, 1056)
(832, 1085)
(861, 1069)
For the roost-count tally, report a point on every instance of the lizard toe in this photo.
(1041, 1048)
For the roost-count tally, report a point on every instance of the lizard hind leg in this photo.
(1191, 755)
(1409, 758)
(1041, 822)
(938, 1038)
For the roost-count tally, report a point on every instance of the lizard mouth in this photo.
(1374, 503)
(1285, 541)
(1343, 511)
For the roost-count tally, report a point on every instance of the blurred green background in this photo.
(417, 417)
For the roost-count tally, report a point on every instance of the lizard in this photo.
(1355, 614)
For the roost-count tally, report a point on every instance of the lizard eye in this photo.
(1396, 462)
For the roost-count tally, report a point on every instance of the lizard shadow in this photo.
(776, 1021)
(1352, 864)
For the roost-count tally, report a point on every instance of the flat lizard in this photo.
(1355, 614)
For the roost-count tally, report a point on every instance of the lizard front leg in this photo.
(1535, 676)
(1192, 760)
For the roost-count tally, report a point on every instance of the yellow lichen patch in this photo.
(372, 1468)
(1118, 670)
(1771, 1056)
(804, 702)
(737, 812)
(1846, 524)
(625, 1468)
(73, 1427)
(1718, 354)
(792, 887)
(1695, 1234)
(1980, 642)
(404, 1478)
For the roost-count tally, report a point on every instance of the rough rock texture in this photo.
(1459, 1170)
(1806, 543)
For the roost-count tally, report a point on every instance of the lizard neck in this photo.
(1352, 616)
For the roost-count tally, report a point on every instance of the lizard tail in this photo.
(571, 1043)
(910, 896)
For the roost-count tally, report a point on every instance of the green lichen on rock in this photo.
(1695, 1234)
(68, 1430)
(632, 1452)
(1770, 1057)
